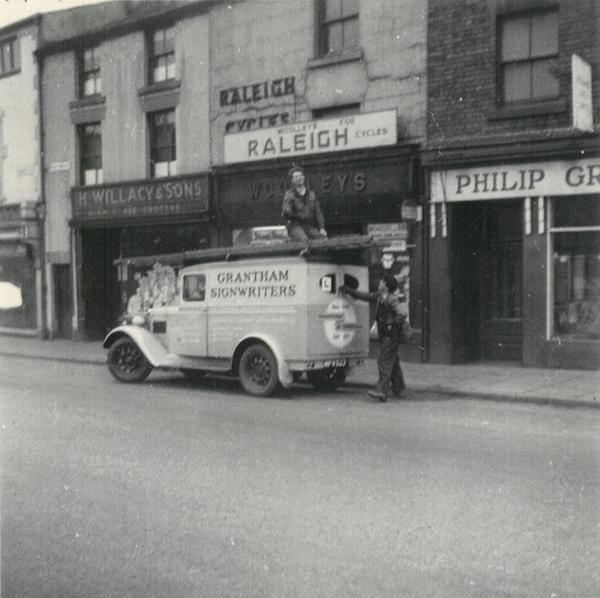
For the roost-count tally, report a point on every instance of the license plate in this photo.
(335, 363)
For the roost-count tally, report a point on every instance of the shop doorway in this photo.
(488, 281)
(62, 300)
(99, 285)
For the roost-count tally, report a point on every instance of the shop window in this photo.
(335, 111)
(337, 26)
(575, 238)
(528, 57)
(90, 80)
(90, 148)
(162, 55)
(163, 154)
(9, 59)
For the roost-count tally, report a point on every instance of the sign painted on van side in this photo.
(520, 180)
(272, 284)
(141, 199)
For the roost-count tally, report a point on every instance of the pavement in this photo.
(499, 382)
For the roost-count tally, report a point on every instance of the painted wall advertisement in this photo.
(312, 137)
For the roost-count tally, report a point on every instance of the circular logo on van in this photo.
(340, 323)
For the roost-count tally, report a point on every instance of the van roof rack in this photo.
(312, 247)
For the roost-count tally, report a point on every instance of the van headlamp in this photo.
(138, 320)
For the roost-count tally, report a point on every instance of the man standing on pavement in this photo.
(301, 210)
(390, 319)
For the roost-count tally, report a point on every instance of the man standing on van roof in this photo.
(301, 210)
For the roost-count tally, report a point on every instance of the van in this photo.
(265, 320)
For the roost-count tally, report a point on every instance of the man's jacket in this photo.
(302, 209)
(388, 311)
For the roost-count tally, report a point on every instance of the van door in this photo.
(188, 325)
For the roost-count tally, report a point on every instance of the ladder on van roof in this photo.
(320, 248)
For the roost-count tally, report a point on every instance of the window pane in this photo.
(170, 70)
(89, 177)
(545, 83)
(99, 176)
(334, 37)
(7, 57)
(161, 169)
(170, 39)
(349, 7)
(515, 39)
(544, 34)
(587, 210)
(160, 71)
(577, 284)
(351, 33)
(158, 45)
(333, 9)
(88, 86)
(173, 168)
(517, 82)
(98, 84)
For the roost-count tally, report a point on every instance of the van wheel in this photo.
(326, 380)
(126, 362)
(193, 374)
(258, 370)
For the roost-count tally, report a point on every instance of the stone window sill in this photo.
(162, 86)
(332, 59)
(160, 96)
(533, 109)
(87, 110)
(87, 101)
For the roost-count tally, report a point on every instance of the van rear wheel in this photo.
(126, 362)
(258, 370)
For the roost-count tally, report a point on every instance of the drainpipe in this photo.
(41, 208)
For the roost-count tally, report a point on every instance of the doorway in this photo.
(62, 300)
(487, 278)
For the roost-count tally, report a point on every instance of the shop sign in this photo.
(60, 166)
(387, 230)
(581, 87)
(518, 180)
(312, 137)
(172, 197)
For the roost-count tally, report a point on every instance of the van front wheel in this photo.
(258, 370)
(126, 362)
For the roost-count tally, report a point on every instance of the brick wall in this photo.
(461, 68)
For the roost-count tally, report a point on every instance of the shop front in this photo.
(20, 270)
(514, 264)
(364, 191)
(138, 218)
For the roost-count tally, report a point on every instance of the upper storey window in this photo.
(528, 57)
(9, 61)
(162, 55)
(90, 79)
(338, 26)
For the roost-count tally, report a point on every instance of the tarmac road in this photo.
(172, 489)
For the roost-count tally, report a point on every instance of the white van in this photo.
(265, 320)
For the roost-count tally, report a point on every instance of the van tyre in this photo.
(328, 379)
(126, 362)
(258, 370)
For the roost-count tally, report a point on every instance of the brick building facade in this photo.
(513, 162)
